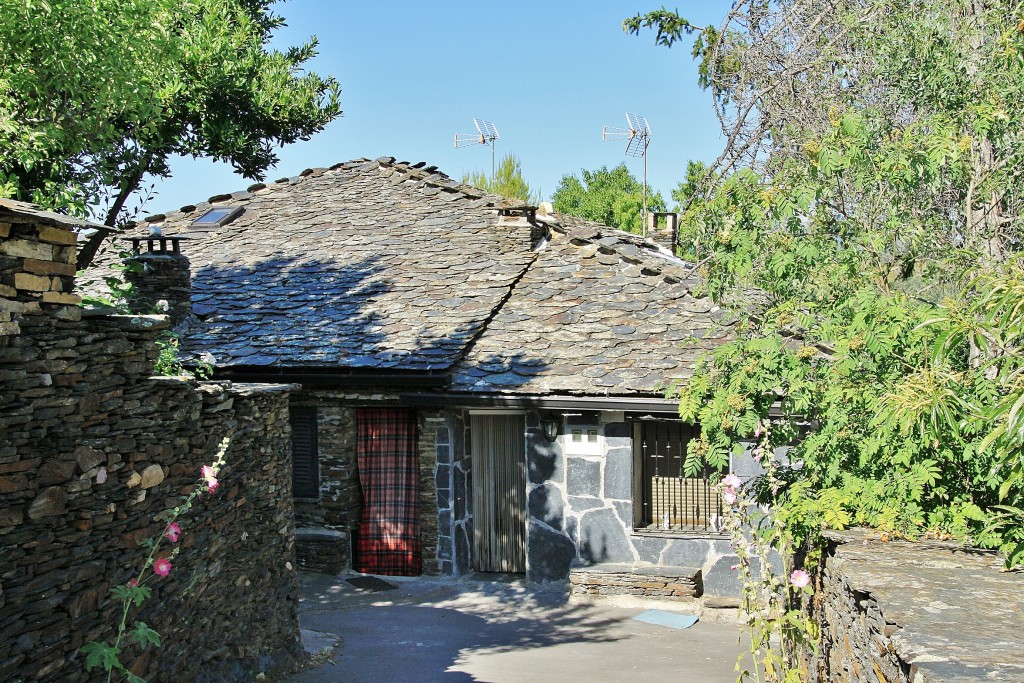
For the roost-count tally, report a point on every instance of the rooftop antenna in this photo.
(638, 136)
(486, 134)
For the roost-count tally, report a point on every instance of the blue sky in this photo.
(548, 74)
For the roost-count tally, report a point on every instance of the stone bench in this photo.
(661, 583)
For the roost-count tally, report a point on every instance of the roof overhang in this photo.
(644, 404)
(333, 377)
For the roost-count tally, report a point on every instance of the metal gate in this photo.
(665, 499)
(498, 454)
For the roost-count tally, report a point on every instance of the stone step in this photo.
(664, 583)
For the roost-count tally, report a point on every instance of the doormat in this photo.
(371, 583)
(670, 619)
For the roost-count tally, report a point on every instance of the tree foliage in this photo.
(508, 181)
(612, 197)
(98, 94)
(869, 192)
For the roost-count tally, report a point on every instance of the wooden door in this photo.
(499, 492)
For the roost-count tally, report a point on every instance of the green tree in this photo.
(612, 197)
(869, 192)
(508, 181)
(97, 95)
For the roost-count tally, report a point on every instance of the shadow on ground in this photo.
(478, 630)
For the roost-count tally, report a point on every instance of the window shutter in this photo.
(305, 456)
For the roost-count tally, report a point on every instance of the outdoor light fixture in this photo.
(550, 424)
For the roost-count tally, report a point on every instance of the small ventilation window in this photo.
(221, 216)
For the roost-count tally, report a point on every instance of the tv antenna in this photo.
(638, 136)
(486, 134)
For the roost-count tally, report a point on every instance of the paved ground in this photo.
(497, 631)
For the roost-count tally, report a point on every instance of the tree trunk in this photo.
(88, 251)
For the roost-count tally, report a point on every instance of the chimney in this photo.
(663, 229)
(164, 275)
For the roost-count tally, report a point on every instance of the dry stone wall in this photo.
(91, 448)
(923, 612)
(660, 583)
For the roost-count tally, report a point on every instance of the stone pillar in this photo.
(162, 274)
(663, 232)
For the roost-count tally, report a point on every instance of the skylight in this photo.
(219, 216)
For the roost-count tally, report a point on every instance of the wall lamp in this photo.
(550, 423)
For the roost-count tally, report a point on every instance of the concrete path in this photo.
(497, 631)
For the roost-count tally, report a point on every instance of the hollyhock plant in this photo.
(173, 532)
(135, 591)
(772, 603)
(162, 567)
(210, 477)
(800, 578)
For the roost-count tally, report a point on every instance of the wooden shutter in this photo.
(305, 455)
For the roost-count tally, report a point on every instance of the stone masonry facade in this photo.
(326, 524)
(92, 447)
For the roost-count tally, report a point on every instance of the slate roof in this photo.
(600, 312)
(367, 265)
(382, 266)
(12, 207)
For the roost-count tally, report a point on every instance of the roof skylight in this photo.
(220, 216)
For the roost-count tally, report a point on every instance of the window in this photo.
(663, 498)
(305, 455)
(221, 216)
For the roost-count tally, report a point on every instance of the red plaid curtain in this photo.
(389, 529)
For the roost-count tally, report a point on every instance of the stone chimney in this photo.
(164, 275)
(663, 229)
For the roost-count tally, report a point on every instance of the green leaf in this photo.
(100, 655)
(144, 635)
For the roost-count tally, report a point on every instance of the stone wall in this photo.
(581, 512)
(434, 441)
(580, 509)
(91, 448)
(340, 498)
(679, 584)
(461, 496)
(325, 525)
(922, 612)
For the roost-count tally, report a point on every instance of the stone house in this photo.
(482, 383)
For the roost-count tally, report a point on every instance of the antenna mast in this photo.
(638, 136)
(486, 134)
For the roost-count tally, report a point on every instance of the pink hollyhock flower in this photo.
(210, 475)
(162, 567)
(173, 532)
(800, 578)
(732, 481)
(729, 496)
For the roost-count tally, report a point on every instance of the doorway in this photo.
(498, 454)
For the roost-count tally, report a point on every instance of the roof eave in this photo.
(647, 404)
(334, 377)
